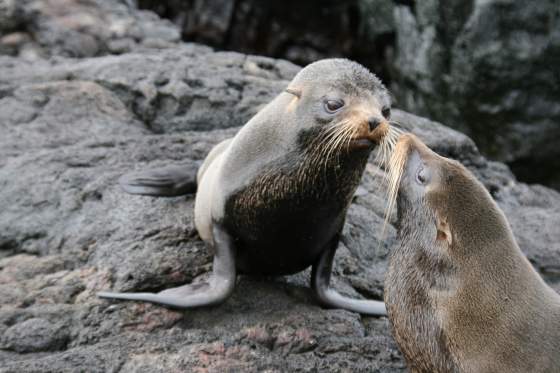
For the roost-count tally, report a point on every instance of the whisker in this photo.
(397, 126)
(332, 143)
(396, 168)
(344, 128)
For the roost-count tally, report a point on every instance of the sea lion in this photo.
(460, 294)
(272, 200)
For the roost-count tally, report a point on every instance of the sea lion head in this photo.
(440, 200)
(339, 105)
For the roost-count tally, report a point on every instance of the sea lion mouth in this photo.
(369, 138)
(361, 143)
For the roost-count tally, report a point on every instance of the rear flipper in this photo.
(320, 283)
(168, 181)
(218, 288)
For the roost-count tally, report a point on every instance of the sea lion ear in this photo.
(293, 91)
(443, 231)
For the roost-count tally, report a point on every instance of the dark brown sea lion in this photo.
(272, 200)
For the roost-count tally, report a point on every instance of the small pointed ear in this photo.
(443, 231)
(293, 91)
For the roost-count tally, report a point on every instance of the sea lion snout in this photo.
(414, 152)
(367, 137)
(378, 130)
(373, 123)
(412, 170)
(368, 130)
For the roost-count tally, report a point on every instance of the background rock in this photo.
(41, 28)
(489, 69)
(300, 31)
(70, 127)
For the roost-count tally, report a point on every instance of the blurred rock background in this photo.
(91, 89)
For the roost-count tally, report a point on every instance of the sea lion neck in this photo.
(309, 174)
(411, 299)
(301, 182)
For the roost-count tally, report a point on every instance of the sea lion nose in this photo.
(373, 123)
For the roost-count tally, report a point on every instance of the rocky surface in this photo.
(69, 127)
(487, 68)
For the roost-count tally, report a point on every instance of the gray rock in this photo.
(171, 91)
(9, 15)
(487, 68)
(35, 335)
(42, 28)
(301, 32)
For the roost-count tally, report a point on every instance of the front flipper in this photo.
(218, 288)
(320, 279)
(167, 182)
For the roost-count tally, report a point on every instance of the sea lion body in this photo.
(460, 294)
(278, 191)
(279, 205)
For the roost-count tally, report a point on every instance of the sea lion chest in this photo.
(287, 214)
(410, 277)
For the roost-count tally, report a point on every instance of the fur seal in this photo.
(460, 294)
(272, 200)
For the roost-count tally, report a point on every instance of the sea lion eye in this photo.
(386, 112)
(332, 106)
(421, 176)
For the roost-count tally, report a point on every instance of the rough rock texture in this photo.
(70, 127)
(489, 68)
(300, 31)
(79, 28)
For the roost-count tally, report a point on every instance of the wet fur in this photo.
(476, 305)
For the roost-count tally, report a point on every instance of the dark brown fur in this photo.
(281, 196)
(459, 292)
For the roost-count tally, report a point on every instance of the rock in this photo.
(486, 68)
(69, 127)
(76, 28)
(468, 64)
(9, 15)
(171, 91)
(35, 335)
(301, 32)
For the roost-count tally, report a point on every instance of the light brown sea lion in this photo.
(460, 294)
